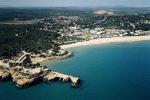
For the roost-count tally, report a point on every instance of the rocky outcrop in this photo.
(68, 55)
(27, 78)
(4, 75)
(65, 56)
(23, 77)
(56, 76)
(26, 82)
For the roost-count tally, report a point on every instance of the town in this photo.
(83, 28)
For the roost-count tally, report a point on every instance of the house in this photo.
(21, 58)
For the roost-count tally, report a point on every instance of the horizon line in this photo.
(112, 6)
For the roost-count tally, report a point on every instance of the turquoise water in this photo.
(118, 71)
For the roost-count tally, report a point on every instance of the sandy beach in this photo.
(42, 59)
(93, 42)
(106, 40)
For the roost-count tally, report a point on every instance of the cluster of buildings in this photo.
(88, 34)
(71, 31)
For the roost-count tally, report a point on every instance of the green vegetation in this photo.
(52, 26)
(14, 38)
(119, 22)
(38, 13)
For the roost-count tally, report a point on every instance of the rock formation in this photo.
(25, 73)
(4, 75)
(56, 76)
(22, 78)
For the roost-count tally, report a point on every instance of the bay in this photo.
(118, 71)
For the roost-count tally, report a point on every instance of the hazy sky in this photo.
(53, 3)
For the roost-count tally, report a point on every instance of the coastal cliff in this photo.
(56, 76)
(4, 75)
(25, 72)
(24, 77)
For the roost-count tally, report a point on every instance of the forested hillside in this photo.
(14, 38)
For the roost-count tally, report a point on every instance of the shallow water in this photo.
(119, 71)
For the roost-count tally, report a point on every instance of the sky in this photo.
(69, 3)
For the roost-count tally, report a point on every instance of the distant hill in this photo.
(101, 12)
(7, 14)
(121, 10)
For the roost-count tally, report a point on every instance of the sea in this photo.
(117, 71)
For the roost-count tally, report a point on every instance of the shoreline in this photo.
(25, 77)
(106, 41)
(99, 41)
(41, 59)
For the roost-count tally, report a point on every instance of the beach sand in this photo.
(42, 59)
(107, 40)
(94, 42)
